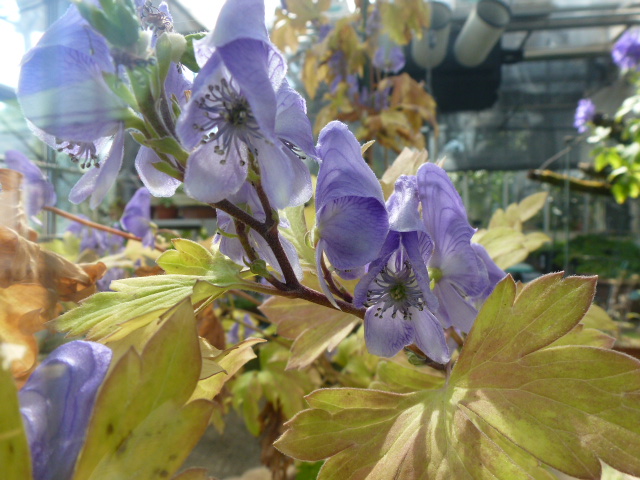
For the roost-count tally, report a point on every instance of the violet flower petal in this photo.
(158, 183)
(391, 244)
(446, 221)
(454, 310)
(285, 178)
(211, 177)
(73, 31)
(56, 404)
(292, 123)
(384, 335)
(585, 112)
(238, 19)
(626, 51)
(403, 206)
(97, 181)
(418, 247)
(258, 73)
(343, 172)
(496, 274)
(192, 116)
(429, 337)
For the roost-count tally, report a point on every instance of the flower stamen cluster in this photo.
(396, 288)
(229, 119)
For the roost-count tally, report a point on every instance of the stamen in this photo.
(397, 289)
(82, 153)
(230, 121)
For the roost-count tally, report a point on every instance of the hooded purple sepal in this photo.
(462, 275)
(136, 217)
(351, 216)
(56, 404)
(39, 191)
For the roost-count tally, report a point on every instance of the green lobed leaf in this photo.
(524, 395)
(15, 459)
(142, 425)
(134, 303)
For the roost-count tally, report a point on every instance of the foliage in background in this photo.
(616, 139)
(352, 64)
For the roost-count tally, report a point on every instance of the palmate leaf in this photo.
(518, 400)
(143, 424)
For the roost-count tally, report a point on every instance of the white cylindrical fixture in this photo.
(481, 32)
(430, 50)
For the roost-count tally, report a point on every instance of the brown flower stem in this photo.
(267, 231)
(310, 295)
(97, 226)
(340, 291)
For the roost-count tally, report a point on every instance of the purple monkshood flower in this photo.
(242, 108)
(136, 217)
(56, 404)
(396, 286)
(247, 199)
(102, 243)
(70, 107)
(389, 57)
(39, 191)
(626, 51)
(584, 114)
(459, 273)
(351, 218)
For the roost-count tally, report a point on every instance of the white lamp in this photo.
(430, 50)
(481, 32)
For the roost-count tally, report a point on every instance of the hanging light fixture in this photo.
(429, 51)
(481, 32)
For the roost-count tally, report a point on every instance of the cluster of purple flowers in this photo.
(245, 133)
(419, 272)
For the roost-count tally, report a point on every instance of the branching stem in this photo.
(97, 226)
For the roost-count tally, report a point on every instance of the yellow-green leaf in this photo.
(531, 205)
(314, 328)
(142, 425)
(522, 397)
(230, 361)
(15, 459)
